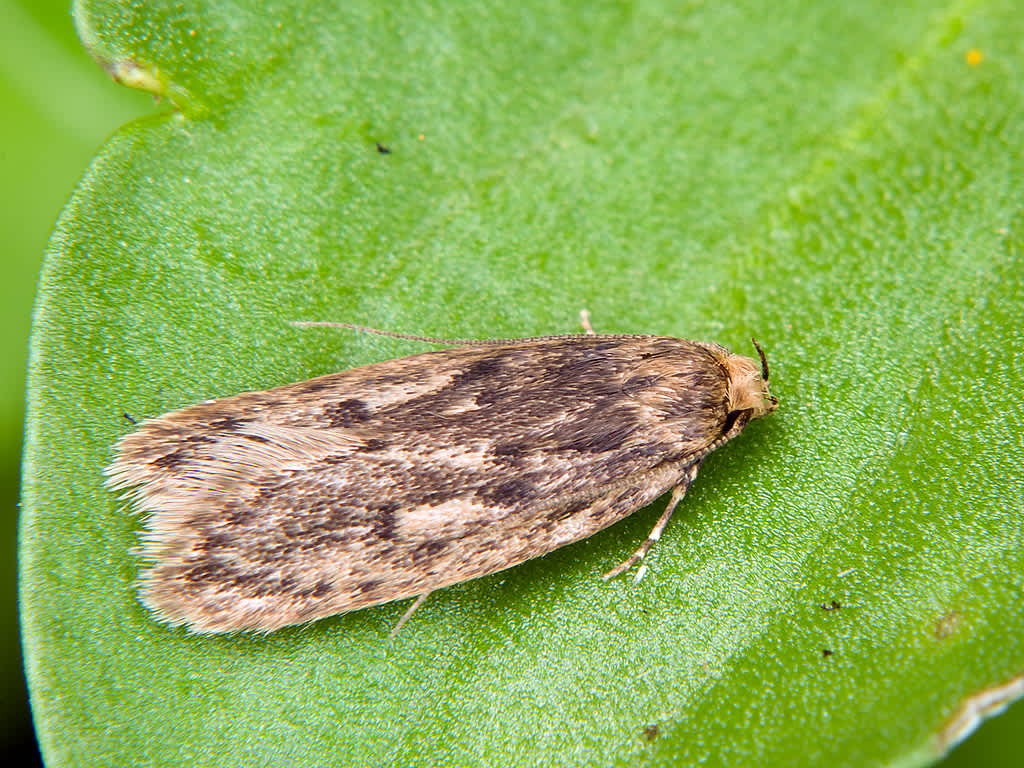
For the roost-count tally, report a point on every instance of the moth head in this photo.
(748, 384)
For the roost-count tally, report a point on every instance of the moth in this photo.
(395, 479)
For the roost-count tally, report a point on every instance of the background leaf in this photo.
(841, 182)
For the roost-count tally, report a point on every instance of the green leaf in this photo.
(842, 182)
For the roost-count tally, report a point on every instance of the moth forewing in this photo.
(394, 479)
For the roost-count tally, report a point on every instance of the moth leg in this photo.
(409, 611)
(677, 494)
(585, 322)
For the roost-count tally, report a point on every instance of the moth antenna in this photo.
(764, 360)
(450, 342)
(390, 334)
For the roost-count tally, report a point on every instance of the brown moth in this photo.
(398, 478)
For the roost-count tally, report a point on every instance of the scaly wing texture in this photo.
(382, 482)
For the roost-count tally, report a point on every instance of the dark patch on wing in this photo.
(384, 520)
(186, 452)
(227, 424)
(173, 459)
(313, 386)
(346, 413)
(268, 490)
(433, 498)
(486, 369)
(368, 585)
(507, 493)
(214, 541)
(429, 548)
(238, 515)
(209, 571)
(570, 509)
(589, 437)
(506, 448)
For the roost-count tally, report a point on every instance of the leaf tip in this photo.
(977, 708)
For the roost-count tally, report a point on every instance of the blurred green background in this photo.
(58, 108)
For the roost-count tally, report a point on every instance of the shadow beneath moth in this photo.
(389, 481)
